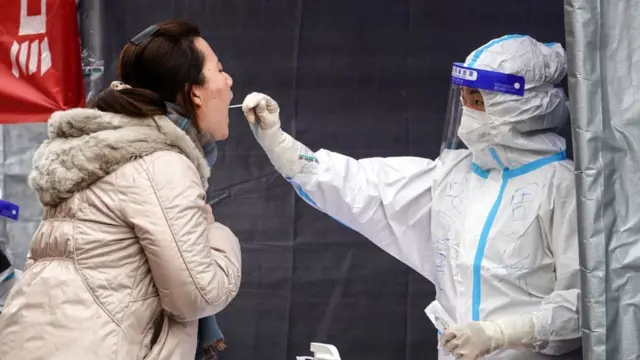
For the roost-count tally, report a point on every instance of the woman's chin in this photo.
(221, 135)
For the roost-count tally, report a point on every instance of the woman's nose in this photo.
(229, 79)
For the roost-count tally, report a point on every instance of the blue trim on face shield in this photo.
(487, 80)
(479, 52)
(486, 229)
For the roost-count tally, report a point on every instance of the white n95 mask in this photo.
(481, 135)
(474, 130)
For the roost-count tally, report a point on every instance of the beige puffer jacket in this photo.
(124, 262)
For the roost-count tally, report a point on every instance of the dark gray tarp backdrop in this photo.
(365, 78)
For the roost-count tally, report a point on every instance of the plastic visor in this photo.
(461, 77)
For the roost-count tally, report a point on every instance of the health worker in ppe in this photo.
(492, 225)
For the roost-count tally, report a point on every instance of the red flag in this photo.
(40, 65)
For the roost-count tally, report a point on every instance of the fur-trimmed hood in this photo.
(86, 145)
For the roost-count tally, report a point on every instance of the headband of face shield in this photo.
(465, 82)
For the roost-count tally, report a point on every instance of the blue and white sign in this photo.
(9, 210)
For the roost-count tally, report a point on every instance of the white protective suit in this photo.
(493, 227)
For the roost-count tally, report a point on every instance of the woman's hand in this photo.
(210, 218)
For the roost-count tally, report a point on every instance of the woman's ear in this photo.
(196, 99)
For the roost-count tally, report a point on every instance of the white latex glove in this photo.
(262, 112)
(287, 155)
(480, 338)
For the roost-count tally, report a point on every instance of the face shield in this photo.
(466, 84)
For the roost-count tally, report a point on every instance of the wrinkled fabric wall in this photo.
(363, 78)
(17, 145)
(90, 21)
(604, 81)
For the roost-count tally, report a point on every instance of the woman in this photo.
(128, 257)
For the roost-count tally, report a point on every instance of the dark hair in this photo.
(161, 65)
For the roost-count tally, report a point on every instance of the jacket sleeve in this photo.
(388, 200)
(557, 323)
(195, 265)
